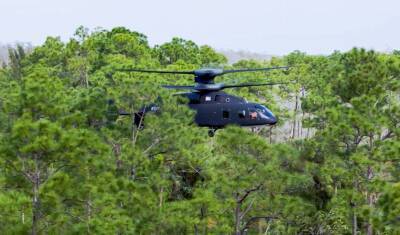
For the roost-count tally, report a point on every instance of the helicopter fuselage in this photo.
(218, 109)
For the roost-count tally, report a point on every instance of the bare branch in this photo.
(247, 209)
(155, 142)
(247, 193)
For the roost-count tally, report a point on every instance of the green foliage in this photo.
(187, 51)
(69, 165)
(388, 220)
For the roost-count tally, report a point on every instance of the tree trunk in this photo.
(116, 147)
(89, 214)
(370, 200)
(270, 134)
(237, 218)
(354, 222)
(295, 116)
(300, 123)
(160, 204)
(369, 228)
(308, 128)
(86, 79)
(35, 202)
(203, 217)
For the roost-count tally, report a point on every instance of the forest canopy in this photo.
(69, 165)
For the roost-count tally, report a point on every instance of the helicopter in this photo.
(214, 108)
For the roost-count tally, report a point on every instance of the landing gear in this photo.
(211, 132)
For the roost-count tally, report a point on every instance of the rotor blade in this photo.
(181, 93)
(253, 84)
(123, 113)
(177, 87)
(253, 70)
(154, 71)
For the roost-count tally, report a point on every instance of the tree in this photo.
(16, 57)
(187, 51)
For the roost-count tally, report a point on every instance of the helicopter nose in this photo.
(272, 120)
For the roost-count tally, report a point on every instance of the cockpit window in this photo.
(264, 110)
(260, 108)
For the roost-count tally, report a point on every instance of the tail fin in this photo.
(113, 112)
(139, 116)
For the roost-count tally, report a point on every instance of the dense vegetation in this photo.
(68, 165)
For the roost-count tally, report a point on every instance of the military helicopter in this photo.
(214, 108)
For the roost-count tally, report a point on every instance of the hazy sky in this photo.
(273, 27)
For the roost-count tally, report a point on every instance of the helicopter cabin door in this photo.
(226, 115)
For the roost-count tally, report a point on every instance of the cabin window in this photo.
(253, 114)
(242, 114)
(227, 100)
(225, 114)
(208, 98)
(219, 98)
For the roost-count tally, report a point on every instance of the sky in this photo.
(263, 26)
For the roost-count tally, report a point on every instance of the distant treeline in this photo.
(5, 48)
(233, 56)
